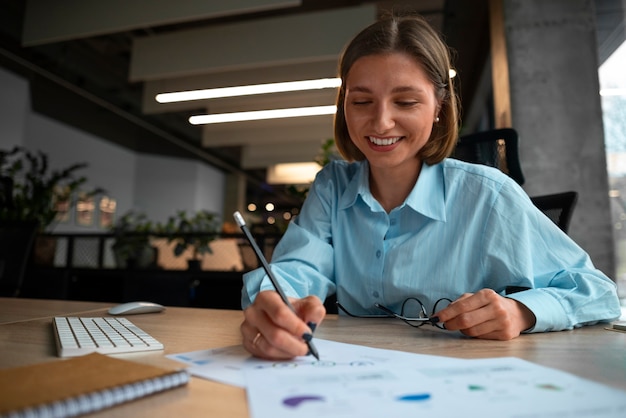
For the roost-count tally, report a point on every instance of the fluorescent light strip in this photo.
(613, 92)
(263, 114)
(182, 96)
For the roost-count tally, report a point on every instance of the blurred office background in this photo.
(79, 80)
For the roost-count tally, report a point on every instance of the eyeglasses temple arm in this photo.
(392, 313)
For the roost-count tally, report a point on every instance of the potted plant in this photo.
(30, 189)
(194, 231)
(131, 246)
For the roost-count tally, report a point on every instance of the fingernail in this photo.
(312, 325)
(434, 319)
(307, 337)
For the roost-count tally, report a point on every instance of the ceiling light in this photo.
(452, 72)
(183, 96)
(613, 92)
(263, 114)
(292, 173)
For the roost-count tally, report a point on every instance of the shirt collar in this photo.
(426, 198)
(359, 186)
(428, 195)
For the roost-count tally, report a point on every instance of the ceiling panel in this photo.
(268, 132)
(61, 20)
(252, 44)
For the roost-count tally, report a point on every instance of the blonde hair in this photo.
(411, 35)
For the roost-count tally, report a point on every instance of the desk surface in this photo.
(26, 338)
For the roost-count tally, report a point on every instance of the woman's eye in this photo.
(360, 102)
(406, 103)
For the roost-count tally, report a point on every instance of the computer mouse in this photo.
(132, 308)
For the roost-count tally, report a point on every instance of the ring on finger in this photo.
(256, 338)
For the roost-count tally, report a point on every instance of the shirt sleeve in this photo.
(303, 260)
(565, 291)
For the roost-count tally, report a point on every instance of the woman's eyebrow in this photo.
(399, 89)
(361, 89)
(404, 89)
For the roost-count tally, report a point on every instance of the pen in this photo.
(242, 224)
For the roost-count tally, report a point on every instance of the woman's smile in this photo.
(384, 141)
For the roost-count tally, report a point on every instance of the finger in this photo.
(293, 321)
(509, 319)
(282, 331)
(255, 343)
(501, 319)
(260, 347)
(472, 301)
(455, 308)
(492, 330)
(312, 311)
(463, 296)
(469, 310)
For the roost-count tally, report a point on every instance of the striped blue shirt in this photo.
(463, 227)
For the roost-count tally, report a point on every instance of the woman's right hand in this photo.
(272, 331)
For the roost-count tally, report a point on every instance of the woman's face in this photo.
(390, 108)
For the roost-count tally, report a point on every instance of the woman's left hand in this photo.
(486, 314)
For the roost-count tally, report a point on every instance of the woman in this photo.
(398, 221)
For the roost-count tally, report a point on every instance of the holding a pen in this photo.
(275, 326)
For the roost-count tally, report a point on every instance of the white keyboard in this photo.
(76, 336)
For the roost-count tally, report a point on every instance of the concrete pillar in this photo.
(556, 108)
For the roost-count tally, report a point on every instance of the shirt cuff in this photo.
(549, 315)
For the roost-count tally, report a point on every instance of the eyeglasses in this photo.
(413, 312)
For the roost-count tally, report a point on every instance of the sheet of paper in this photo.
(352, 380)
(227, 364)
(502, 387)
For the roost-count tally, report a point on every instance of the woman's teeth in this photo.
(384, 141)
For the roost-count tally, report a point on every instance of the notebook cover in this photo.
(44, 383)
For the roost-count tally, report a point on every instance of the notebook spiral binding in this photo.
(106, 398)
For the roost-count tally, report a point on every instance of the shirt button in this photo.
(375, 294)
(378, 253)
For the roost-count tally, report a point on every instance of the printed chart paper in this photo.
(227, 364)
(352, 380)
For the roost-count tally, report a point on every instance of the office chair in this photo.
(6, 192)
(496, 148)
(558, 207)
(16, 242)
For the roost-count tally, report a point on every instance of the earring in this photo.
(437, 119)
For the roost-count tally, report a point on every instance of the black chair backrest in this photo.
(558, 207)
(6, 193)
(496, 148)
(16, 242)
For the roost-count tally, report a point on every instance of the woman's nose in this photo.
(383, 118)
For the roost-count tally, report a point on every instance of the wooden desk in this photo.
(16, 309)
(590, 352)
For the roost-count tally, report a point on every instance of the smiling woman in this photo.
(399, 221)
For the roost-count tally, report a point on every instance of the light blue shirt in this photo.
(463, 227)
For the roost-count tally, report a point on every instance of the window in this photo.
(612, 75)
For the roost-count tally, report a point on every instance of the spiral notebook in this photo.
(80, 385)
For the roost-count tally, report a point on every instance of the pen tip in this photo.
(313, 350)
